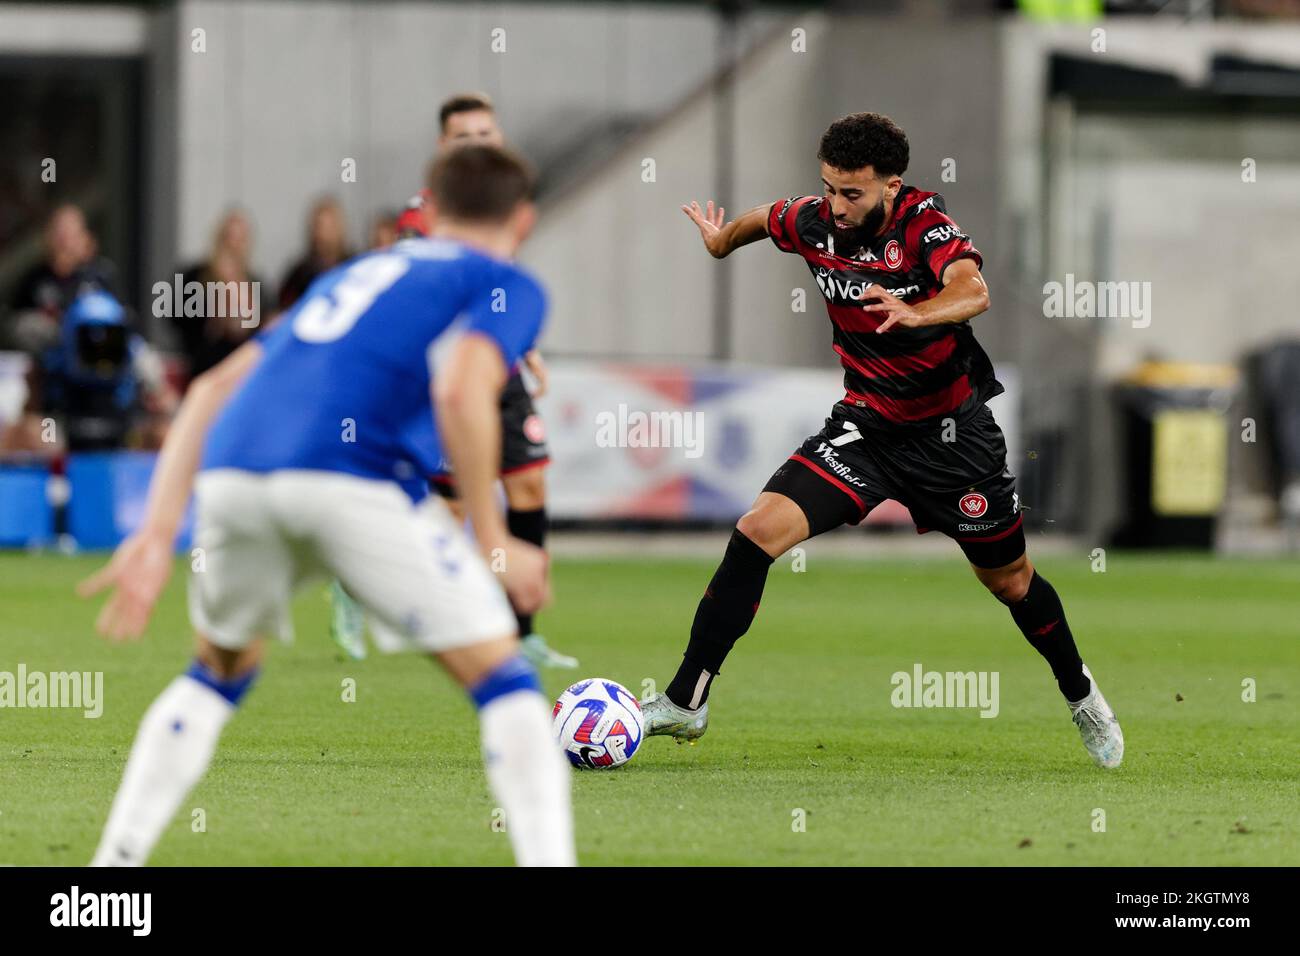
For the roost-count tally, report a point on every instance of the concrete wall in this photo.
(640, 280)
(627, 269)
(72, 29)
(1141, 198)
(286, 91)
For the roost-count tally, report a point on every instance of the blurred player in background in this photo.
(468, 119)
(282, 494)
(913, 424)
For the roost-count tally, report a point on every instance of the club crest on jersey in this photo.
(534, 430)
(893, 254)
(973, 504)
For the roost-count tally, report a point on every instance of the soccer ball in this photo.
(598, 723)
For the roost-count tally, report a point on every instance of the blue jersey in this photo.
(343, 382)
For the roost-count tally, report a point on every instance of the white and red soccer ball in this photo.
(598, 723)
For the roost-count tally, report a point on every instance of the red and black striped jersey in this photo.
(904, 378)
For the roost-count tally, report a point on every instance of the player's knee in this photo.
(228, 665)
(767, 528)
(1009, 587)
(471, 664)
(526, 490)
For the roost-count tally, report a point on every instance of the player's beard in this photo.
(859, 237)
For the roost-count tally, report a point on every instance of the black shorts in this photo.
(962, 487)
(523, 437)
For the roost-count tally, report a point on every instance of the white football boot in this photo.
(662, 716)
(1098, 726)
(347, 623)
(540, 654)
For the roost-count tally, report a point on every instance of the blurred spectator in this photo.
(383, 230)
(327, 246)
(69, 268)
(101, 380)
(21, 429)
(208, 337)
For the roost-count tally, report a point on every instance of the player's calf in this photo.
(773, 526)
(525, 489)
(525, 768)
(1036, 609)
(526, 518)
(172, 750)
(722, 617)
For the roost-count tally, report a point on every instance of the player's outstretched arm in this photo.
(140, 566)
(723, 238)
(467, 402)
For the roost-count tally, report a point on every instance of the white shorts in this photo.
(411, 566)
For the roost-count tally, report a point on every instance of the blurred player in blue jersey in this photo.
(309, 444)
(469, 119)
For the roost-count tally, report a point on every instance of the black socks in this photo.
(724, 614)
(732, 597)
(528, 526)
(1041, 619)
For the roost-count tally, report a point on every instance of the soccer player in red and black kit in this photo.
(901, 282)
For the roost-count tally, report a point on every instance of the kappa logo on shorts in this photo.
(534, 430)
(973, 504)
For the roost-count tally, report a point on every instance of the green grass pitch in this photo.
(802, 726)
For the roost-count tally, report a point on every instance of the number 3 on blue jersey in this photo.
(333, 310)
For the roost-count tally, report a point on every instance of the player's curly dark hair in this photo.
(865, 139)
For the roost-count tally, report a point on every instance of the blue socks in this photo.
(231, 689)
(512, 675)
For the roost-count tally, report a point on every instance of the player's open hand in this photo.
(710, 223)
(137, 573)
(526, 575)
(897, 312)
